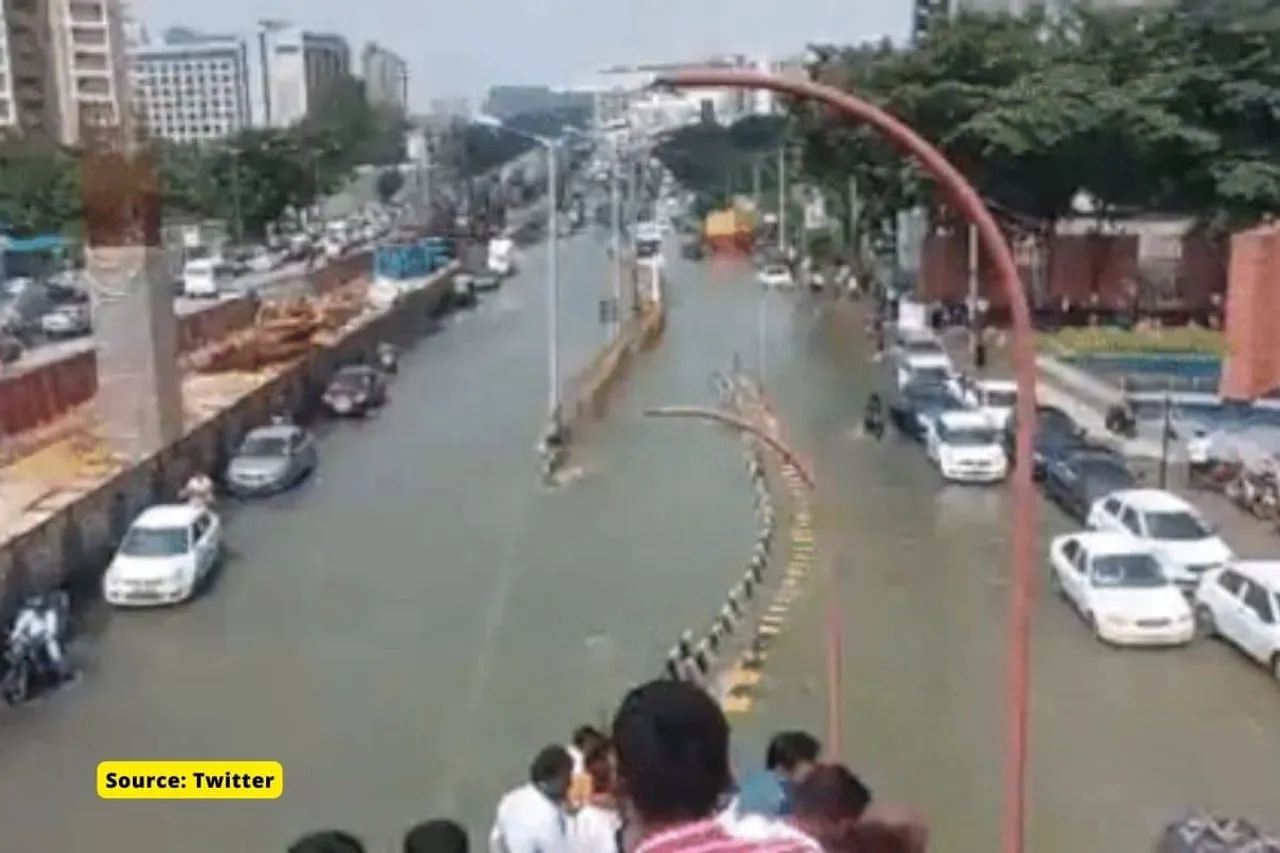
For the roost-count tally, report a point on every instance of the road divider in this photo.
(726, 660)
(68, 538)
(589, 392)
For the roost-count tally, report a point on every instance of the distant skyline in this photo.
(552, 42)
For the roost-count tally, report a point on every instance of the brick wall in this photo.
(1253, 299)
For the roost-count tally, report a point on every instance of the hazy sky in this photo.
(460, 47)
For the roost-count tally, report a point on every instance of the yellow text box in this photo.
(190, 780)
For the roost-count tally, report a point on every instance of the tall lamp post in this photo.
(553, 263)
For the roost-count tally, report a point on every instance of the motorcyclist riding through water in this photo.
(873, 417)
(37, 632)
(552, 448)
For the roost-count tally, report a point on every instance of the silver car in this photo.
(271, 459)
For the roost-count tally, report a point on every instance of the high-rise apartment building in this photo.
(386, 77)
(90, 67)
(301, 67)
(29, 103)
(192, 88)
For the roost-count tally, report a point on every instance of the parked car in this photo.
(995, 397)
(1118, 586)
(1185, 543)
(354, 390)
(965, 446)
(1079, 476)
(69, 320)
(23, 301)
(1240, 603)
(776, 277)
(1056, 433)
(165, 557)
(912, 408)
(271, 459)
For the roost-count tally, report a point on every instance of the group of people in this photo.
(661, 781)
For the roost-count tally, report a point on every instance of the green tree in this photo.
(39, 188)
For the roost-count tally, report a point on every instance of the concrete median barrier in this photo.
(36, 395)
(590, 391)
(67, 538)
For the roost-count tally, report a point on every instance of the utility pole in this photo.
(615, 204)
(782, 199)
(974, 247)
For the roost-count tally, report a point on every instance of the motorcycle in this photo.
(388, 360)
(27, 669)
(1255, 493)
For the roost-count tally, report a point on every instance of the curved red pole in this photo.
(1026, 509)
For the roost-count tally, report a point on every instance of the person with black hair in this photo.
(671, 747)
(788, 758)
(828, 802)
(532, 818)
(437, 836)
(327, 841)
(585, 739)
(596, 825)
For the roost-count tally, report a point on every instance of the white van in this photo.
(204, 278)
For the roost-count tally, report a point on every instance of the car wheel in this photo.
(1092, 622)
(1206, 624)
(1055, 583)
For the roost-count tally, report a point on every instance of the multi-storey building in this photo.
(193, 88)
(29, 103)
(386, 77)
(90, 67)
(302, 67)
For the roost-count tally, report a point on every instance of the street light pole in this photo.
(615, 204)
(553, 284)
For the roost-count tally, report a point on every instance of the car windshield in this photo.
(1128, 571)
(155, 542)
(265, 446)
(930, 375)
(354, 379)
(1001, 399)
(1175, 526)
(922, 347)
(969, 437)
(1054, 421)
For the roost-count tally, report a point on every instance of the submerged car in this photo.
(165, 557)
(918, 404)
(355, 390)
(271, 459)
(1081, 475)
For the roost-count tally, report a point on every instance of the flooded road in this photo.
(405, 631)
(1122, 740)
(409, 628)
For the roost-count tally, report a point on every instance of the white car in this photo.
(995, 397)
(777, 276)
(1182, 540)
(966, 447)
(1241, 604)
(167, 554)
(1117, 584)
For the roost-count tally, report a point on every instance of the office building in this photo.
(88, 53)
(452, 107)
(28, 89)
(386, 77)
(300, 68)
(192, 89)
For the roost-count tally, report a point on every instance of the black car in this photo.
(1078, 477)
(355, 390)
(917, 403)
(1056, 433)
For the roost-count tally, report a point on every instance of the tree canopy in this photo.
(1171, 108)
(716, 161)
(249, 180)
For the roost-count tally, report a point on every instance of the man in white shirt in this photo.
(532, 818)
(1199, 457)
